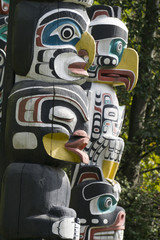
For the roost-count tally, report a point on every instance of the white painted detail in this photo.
(24, 140)
(105, 221)
(111, 114)
(114, 62)
(119, 235)
(66, 228)
(95, 221)
(105, 20)
(107, 61)
(83, 221)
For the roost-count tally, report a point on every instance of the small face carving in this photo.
(98, 211)
(111, 39)
(112, 64)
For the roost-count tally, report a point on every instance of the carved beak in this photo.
(126, 73)
(86, 48)
(58, 147)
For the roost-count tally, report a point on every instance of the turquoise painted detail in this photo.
(3, 33)
(61, 32)
(106, 203)
(117, 47)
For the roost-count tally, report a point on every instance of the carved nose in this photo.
(120, 221)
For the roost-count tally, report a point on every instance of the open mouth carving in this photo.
(124, 77)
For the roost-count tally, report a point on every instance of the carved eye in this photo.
(105, 203)
(108, 203)
(67, 32)
(119, 47)
(60, 32)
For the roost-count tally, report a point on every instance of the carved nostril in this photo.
(84, 54)
(114, 62)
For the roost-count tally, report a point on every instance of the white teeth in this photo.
(104, 238)
(119, 235)
(104, 235)
(109, 235)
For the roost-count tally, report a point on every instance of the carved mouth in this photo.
(117, 77)
(78, 69)
(78, 145)
(112, 235)
(57, 146)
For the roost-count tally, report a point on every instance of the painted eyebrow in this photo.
(66, 14)
(108, 31)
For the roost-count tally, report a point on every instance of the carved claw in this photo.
(67, 228)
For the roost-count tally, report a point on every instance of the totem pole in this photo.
(45, 116)
(4, 10)
(94, 186)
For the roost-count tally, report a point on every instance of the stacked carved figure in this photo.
(114, 65)
(60, 107)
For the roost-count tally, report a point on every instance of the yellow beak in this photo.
(54, 144)
(87, 43)
(130, 62)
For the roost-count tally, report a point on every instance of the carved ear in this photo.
(100, 10)
(117, 12)
(109, 11)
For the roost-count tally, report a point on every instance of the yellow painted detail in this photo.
(130, 61)
(54, 146)
(106, 168)
(87, 43)
(109, 169)
(113, 170)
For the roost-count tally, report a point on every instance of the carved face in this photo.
(47, 123)
(47, 112)
(60, 47)
(112, 64)
(99, 214)
(111, 36)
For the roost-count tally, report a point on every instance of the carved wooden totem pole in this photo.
(56, 112)
(94, 186)
(45, 119)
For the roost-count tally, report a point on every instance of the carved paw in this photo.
(67, 228)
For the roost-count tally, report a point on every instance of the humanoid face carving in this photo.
(60, 37)
(50, 122)
(50, 112)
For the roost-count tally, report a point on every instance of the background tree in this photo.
(139, 169)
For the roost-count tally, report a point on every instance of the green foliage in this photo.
(150, 171)
(142, 212)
